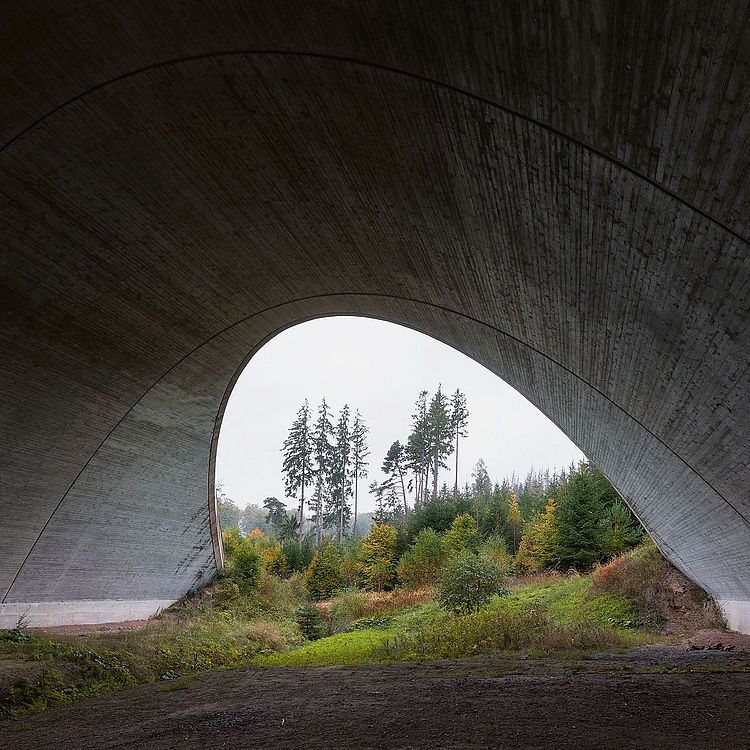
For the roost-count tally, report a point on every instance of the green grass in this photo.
(357, 647)
(571, 601)
(360, 645)
(562, 618)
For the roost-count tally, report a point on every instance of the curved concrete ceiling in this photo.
(561, 193)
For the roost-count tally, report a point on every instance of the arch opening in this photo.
(377, 369)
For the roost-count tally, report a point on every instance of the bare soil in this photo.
(669, 698)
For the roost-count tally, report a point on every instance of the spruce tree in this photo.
(275, 513)
(459, 422)
(515, 521)
(579, 511)
(297, 463)
(418, 449)
(394, 466)
(360, 452)
(440, 434)
(338, 510)
(322, 465)
(494, 517)
(481, 487)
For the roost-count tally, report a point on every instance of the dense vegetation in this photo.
(565, 520)
(560, 522)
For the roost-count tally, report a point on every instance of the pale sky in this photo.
(378, 368)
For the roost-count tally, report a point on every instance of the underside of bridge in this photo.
(559, 190)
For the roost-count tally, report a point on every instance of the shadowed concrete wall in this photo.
(559, 190)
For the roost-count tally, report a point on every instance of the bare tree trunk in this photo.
(435, 476)
(302, 508)
(403, 491)
(356, 485)
(455, 486)
(319, 513)
(340, 532)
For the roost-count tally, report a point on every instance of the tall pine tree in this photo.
(360, 452)
(440, 435)
(459, 422)
(339, 511)
(418, 449)
(297, 463)
(323, 459)
(394, 466)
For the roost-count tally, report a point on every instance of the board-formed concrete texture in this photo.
(558, 189)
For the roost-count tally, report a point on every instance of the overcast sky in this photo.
(378, 368)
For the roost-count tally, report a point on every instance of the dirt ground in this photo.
(645, 699)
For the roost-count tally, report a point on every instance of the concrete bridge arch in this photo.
(556, 193)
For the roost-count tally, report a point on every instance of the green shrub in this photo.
(245, 568)
(298, 555)
(420, 565)
(350, 562)
(280, 596)
(496, 548)
(323, 577)
(468, 581)
(310, 622)
(378, 557)
(232, 540)
(462, 535)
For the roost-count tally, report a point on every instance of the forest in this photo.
(566, 520)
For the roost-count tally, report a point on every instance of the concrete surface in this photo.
(51, 614)
(559, 190)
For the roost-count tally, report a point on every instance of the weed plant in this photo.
(220, 628)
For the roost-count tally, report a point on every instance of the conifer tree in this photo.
(515, 521)
(621, 530)
(459, 422)
(418, 449)
(323, 575)
(440, 435)
(578, 518)
(289, 529)
(494, 516)
(482, 486)
(297, 463)
(545, 536)
(360, 452)
(378, 557)
(275, 513)
(394, 467)
(387, 500)
(322, 434)
(462, 535)
(338, 511)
